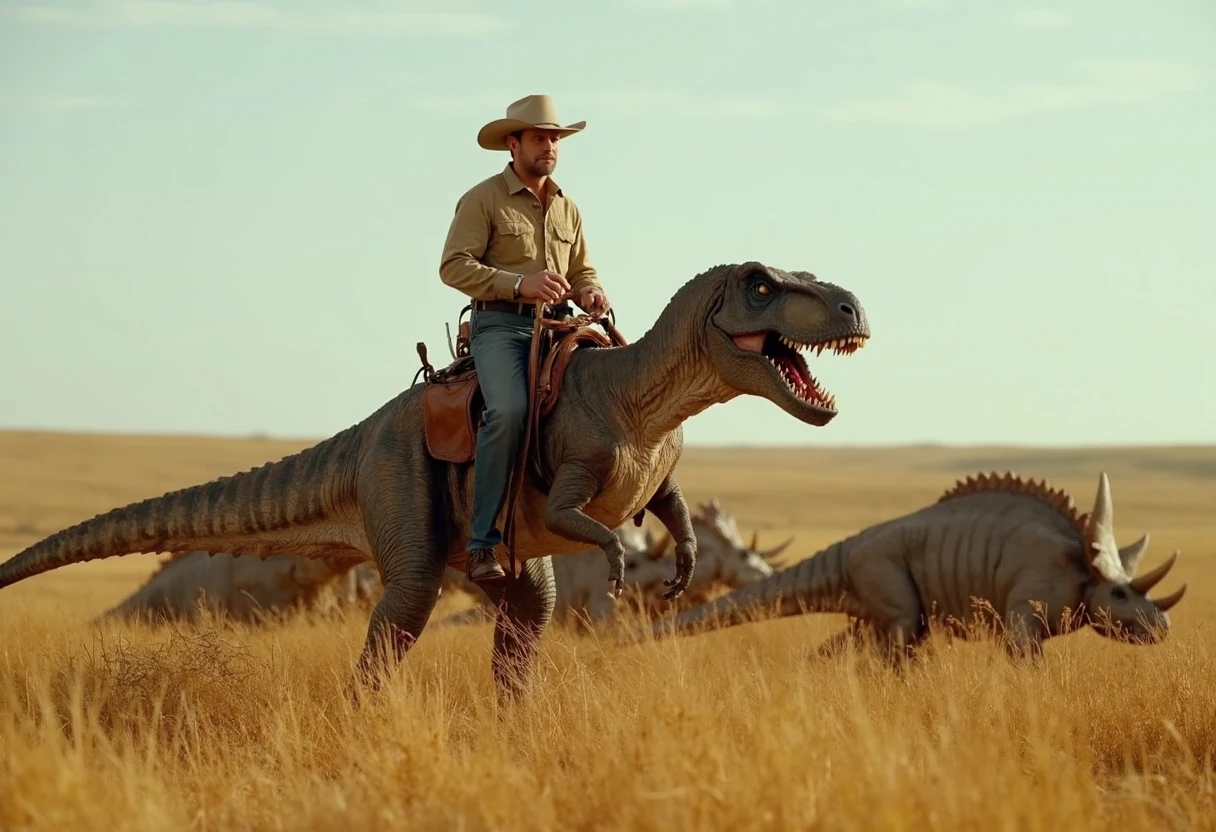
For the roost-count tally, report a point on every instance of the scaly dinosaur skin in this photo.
(241, 588)
(579, 580)
(723, 560)
(609, 448)
(1003, 540)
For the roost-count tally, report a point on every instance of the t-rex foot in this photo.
(686, 559)
(615, 552)
(482, 566)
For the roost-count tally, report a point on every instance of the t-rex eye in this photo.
(763, 289)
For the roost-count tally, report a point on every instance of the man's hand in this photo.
(592, 301)
(544, 285)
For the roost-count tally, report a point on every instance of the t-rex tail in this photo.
(276, 508)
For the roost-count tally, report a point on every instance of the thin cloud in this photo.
(76, 102)
(924, 5)
(255, 15)
(1040, 18)
(698, 5)
(666, 103)
(932, 105)
(682, 5)
(619, 103)
(58, 101)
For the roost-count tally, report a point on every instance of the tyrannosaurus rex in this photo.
(609, 448)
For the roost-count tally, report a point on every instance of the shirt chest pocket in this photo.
(516, 241)
(562, 234)
(561, 239)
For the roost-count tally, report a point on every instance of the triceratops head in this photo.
(723, 558)
(1116, 603)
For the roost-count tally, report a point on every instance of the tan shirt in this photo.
(501, 231)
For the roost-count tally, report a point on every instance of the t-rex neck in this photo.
(662, 379)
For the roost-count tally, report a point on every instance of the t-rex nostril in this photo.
(847, 308)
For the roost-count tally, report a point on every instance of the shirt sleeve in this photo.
(468, 236)
(581, 274)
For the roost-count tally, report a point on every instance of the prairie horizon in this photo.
(251, 724)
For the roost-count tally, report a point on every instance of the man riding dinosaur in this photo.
(516, 238)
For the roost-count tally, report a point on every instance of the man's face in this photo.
(536, 151)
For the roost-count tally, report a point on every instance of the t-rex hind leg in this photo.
(525, 607)
(410, 553)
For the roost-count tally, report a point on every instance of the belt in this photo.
(528, 309)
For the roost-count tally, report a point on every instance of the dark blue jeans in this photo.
(500, 342)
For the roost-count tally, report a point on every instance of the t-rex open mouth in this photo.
(785, 355)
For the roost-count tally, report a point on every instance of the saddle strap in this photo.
(543, 382)
(558, 360)
(515, 482)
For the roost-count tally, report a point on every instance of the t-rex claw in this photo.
(615, 553)
(686, 558)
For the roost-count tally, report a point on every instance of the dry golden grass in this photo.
(229, 727)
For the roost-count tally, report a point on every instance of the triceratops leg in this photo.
(852, 636)
(884, 588)
(525, 607)
(1024, 632)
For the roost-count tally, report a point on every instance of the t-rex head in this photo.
(765, 319)
(1116, 603)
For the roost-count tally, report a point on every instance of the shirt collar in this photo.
(514, 186)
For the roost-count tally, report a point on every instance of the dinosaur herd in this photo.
(998, 550)
(374, 506)
(257, 590)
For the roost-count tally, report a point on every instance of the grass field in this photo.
(235, 728)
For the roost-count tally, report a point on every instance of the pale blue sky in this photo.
(227, 217)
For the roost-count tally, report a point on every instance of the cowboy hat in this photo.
(530, 111)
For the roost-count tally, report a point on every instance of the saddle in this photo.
(453, 406)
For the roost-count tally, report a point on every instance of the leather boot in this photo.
(482, 566)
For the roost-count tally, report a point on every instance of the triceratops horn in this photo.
(776, 550)
(755, 544)
(1101, 519)
(1101, 534)
(1146, 582)
(1165, 603)
(1130, 555)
